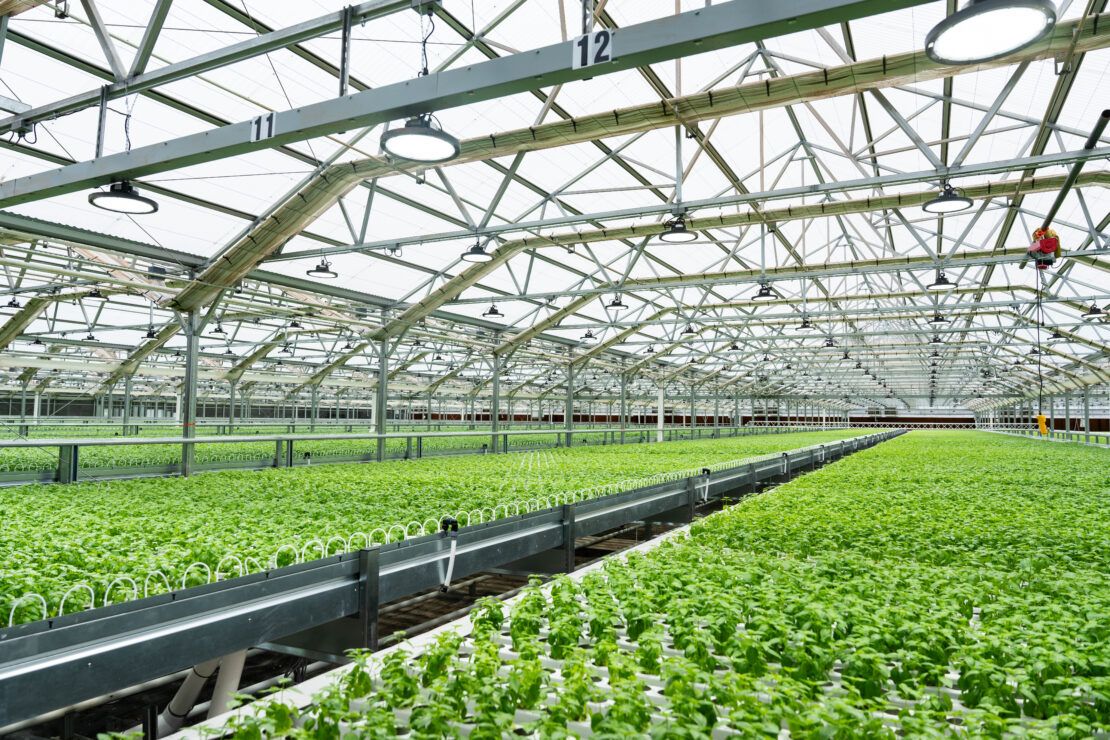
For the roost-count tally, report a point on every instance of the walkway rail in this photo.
(1094, 439)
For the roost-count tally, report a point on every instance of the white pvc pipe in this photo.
(450, 564)
(173, 716)
(227, 682)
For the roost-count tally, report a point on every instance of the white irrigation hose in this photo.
(450, 529)
(227, 682)
(450, 563)
(173, 716)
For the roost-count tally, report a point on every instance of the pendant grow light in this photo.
(421, 138)
(122, 197)
(677, 232)
(96, 296)
(1093, 312)
(323, 270)
(942, 283)
(476, 253)
(949, 201)
(989, 29)
(616, 304)
(492, 312)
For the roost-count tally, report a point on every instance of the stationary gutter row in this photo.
(326, 606)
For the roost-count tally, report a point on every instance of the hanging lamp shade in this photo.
(476, 253)
(1093, 312)
(13, 303)
(942, 283)
(984, 30)
(150, 333)
(420, 139)
(616, 304)
(1056, 338)
(830, 342)
(936, 339)
(938, 319)
(676, 231)
(219, 329)
(492, 312)
(589, 337)
(764, 293)
(323, 271)
(948, 201)
(122, 197)
(689, 329)
(806, 325)
(95, 296)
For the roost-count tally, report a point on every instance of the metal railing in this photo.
(66, 460)
(1096, 439)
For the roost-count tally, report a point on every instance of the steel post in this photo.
(188, 406)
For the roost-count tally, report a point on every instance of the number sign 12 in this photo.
(592, 48)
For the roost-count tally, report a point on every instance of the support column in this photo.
(693, 409)
(231, 406)
(659, 415)
(1086, 414)
(381, 395)
(315, 412)
(126, 404)
(38, 404)
(23, 402)
(624, 405)
(717, 414)
(187, 408)
(1067, 413)
(568, 414)
(495, 406)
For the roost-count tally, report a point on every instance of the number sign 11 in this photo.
(592, 48)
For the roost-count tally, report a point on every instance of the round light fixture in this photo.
(13, 303)
(677, 232)
(477, 253)
(616, 304)
(95, 296)
(764, 293)
(150, 333)
(936, 339)
(492, 312)
(219, 329)
(1093, 312)
(90, 337)
(806, 325)
(830, 342)
(122, 197)
(949, 201)
(1056, 338)
(421, 139)
(938, 319)
(989, 29)
(323, 270)
(689, 329)
(588, 337)
(37, 341)
(734, 347)
(942, 283)
(294, 324)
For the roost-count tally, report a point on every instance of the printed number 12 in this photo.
(592, 49)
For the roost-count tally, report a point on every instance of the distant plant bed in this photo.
(940, 584)
(98, 543)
